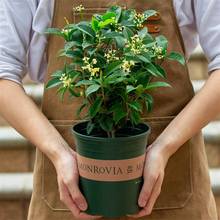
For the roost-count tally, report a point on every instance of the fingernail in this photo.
(82, 206)
(142, 203)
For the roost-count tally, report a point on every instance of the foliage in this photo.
(112, 60)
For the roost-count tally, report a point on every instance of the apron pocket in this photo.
(177, 186)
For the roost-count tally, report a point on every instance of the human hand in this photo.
(153, 175)
(68, 178)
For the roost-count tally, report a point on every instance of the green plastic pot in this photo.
(106, 197)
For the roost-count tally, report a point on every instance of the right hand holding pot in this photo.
(68, 179)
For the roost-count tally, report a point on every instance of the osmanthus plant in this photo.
(111, 62)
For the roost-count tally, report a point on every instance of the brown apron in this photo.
(186, 191)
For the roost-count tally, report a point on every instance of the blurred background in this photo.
(17, 154)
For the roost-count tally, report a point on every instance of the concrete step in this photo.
(16, 147)
(16, 185)
(198, 65)
(35, 91)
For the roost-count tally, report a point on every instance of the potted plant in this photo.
(112, 65)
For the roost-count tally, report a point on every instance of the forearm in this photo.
(203, 108)
(22, 113)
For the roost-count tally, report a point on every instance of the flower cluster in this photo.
(158, 52)
(94, 71)
(79, 8)
(111, 55)
(136, 45)
(126, 65)
(139, 19)
(118, 27)
(66, 80)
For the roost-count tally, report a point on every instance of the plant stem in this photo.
(109, 134)
(113, 133)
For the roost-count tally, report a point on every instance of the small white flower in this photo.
(79, 8)
(94, 61)
(126, 66)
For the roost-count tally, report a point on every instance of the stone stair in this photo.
(17, 154)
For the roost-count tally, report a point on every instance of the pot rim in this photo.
(110, 139)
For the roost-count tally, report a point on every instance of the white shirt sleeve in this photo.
(207, 17)
(15, 32)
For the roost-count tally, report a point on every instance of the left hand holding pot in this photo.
(155, 164)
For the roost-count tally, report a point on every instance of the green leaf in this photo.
(143, 58)
(57, 74)
(112, 35)
(161, 70)
(127, 32)
(114, 78)
(86, 29)
(143, 33)
(148, 101)
(77, 53)
(95, 24)
(151, 68)
(95, 107)
(108, 15)
(73, 74)
(148, 39)
(113, 67)
(91, 89)
(53, 83)
(86, 44)
(120, 41)
(84, 83)
(139, 89)
(135, 117)
(106, 123)
(149, 13)
(79, 110)
(61, 91)
(130, 88)
(73, 93)
(162, 41)
(136, 106)
(103, 24)
(154, 85)
(177, 57)
(117, 10)
(69, 45)
(118, 112)
(90, 126)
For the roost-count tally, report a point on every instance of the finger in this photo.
(153, 197)
(155, 193)
(67, 200)
(139, 214)
(76, 195)
(149, 182)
